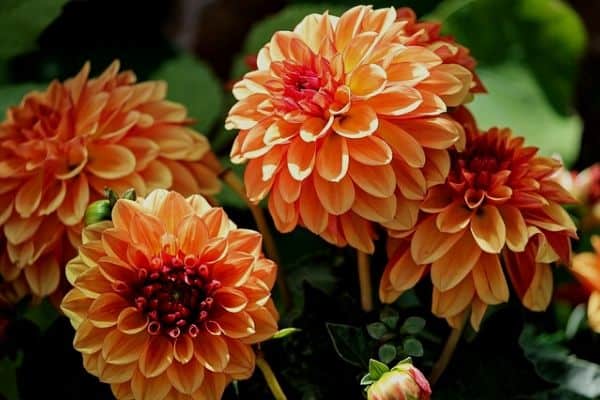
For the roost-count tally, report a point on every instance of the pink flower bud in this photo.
(403, 382)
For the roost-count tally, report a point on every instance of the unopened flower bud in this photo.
(99, 210)
(403, 382)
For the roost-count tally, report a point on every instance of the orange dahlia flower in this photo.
(500, 202)
(168, 298)
(586, 267)
(344, 124)
(60, 148)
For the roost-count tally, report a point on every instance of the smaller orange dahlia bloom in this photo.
(500, 202)
(344, 123)
(168, 299)
(586, 267)
(59, 150)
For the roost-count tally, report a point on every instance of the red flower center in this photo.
(309, 88)
(175, 292)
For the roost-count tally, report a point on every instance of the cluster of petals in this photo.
(59, 150)
(168, 298)
(500, 204)
(344, 124)
(586, 267)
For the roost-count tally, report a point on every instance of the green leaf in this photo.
(367, 380)
(43, 315)
(553, 363)
(376, 330)
(412, 347)
(192, 83)
(350, 343)
(377, 368)
(514, 100)
(413, 325)
(387, 353)
(22, 21)
(285, 332)
(8, 378)
(545, 35)
(11, 95)
(389, 316)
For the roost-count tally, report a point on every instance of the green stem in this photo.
(270, 377)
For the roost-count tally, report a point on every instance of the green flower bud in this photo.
(99, 210)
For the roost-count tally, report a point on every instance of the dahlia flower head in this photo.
(168, 299)
(59, 150)
(500, 203)
(344, 123)
(586, 268)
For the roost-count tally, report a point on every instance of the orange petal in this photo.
(516, 229)
(186, 378)
(395, 101)
(172, 211)
(436, 133)
(29, 196)
(116, 270)
(75, 305)
(110, 161)
(358, 49)
(131, 321)
(212, 352)
(436, 167)
(370, 150)
(146, 230)
(378, 181)
(451, 302)
(105, 310)
(43, 276)
(478, 309)
(453, 218)
(348, 26)
(231, 300)
(489, 279)
(256, 187)
(313, 215)
(111, 373)
(402, 144)
(236, 325)
(357, 232)
(367, 80)
(89, 339)
(539, 293)
(18, 230)
(122, 214)
(404, 272)
(120, 348)
(301, 159)
(156, 357)
(245, 241)
(77, 199)
(241, 364)
(337, 198)
(212, 387)
(488, 229)
(183, 349)
(288, 187)
(265, 320)
(360, 121)
(407, 212)
(593, 311)
(437, 199)
(144, 388)
(374, 208)
(235, 270)
(429, 244)
(192, 234)
(332, 158)
(315, 128)
(410, 181)
(450, 269)
(285, 215)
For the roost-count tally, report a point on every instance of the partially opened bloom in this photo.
(500, 202)
(60, 148)
(586, 267)
(344, 124)
(168, 298)
(402, 382)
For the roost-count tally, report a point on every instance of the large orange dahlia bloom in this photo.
(500, 202)
(344, 124)
(168, 298)
(60, 148)
(586, 267)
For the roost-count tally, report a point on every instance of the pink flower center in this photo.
(309, 89)
(176, 293)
